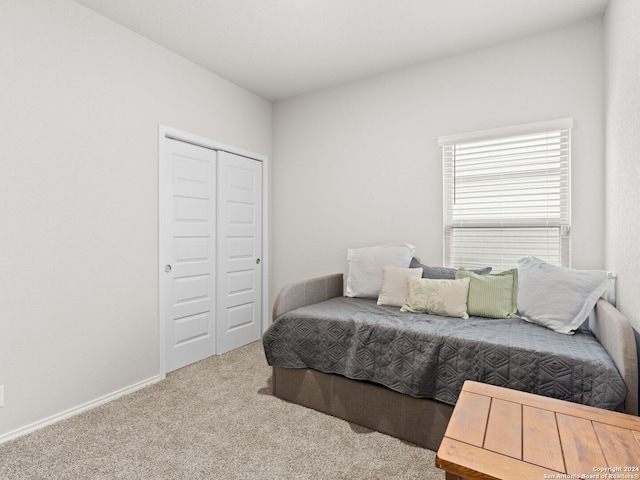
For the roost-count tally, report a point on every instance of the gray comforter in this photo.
(431, 356)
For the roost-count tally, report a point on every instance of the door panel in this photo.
(239, 319)
(189, 288)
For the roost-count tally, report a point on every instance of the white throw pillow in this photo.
(555, 297)
(438, 297)
(394, 284)
(364, 267)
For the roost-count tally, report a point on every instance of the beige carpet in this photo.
(215, 419)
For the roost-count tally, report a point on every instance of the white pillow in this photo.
(558, 298)
(437, 296)
(394, 284)
(364, 267)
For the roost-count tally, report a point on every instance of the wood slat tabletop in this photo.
(498, 433)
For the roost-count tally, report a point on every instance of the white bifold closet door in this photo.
(239, 312)
(212, 275)
(190, 264)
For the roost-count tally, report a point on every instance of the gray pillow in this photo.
(443, 272)
(556, 297)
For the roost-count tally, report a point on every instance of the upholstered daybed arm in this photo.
(614, 332)
(307, 292)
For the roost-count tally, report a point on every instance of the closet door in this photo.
(239, 311)
(188, 270)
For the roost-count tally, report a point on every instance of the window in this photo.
(507, 195)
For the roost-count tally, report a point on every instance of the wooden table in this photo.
(497, 433)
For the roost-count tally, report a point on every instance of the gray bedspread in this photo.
(431, 356)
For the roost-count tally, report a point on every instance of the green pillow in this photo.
(444, 297)
(494, 295)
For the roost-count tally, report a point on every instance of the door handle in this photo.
(257, 261)
(167, 268)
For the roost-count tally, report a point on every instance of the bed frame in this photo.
(417, 420)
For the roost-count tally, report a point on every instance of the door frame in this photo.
(165, 132)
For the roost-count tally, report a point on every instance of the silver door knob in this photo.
(257, 261)
(167, 268)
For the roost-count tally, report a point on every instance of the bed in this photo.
(326, 354)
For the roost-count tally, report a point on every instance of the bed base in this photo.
(417, 420)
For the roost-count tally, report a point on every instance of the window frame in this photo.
(557, 229)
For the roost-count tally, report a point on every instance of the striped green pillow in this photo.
(493, 296)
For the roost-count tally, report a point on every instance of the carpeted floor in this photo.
(215, 419)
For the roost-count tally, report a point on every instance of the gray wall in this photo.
(622, 44)
(359, 164)
(81, 99)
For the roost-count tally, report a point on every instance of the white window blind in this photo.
(507, 195)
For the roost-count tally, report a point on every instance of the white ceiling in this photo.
(281, 48)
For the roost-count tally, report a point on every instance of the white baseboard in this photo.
(77, 410)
